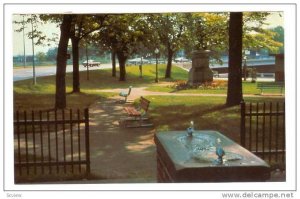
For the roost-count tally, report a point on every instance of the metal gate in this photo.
(51, 142)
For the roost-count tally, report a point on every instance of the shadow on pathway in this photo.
(118, 152)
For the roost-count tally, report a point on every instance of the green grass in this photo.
(175, 113)
(248, 88)
(29, 64)
(43, 92)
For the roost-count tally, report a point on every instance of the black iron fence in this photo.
(51, 142)
(263, 131)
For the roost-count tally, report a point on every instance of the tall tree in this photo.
(61, 62)
(113, 62)
(234, 92)
(249, 26)
(82, 26)
(169, 28)
(210, 31)
(123, 33)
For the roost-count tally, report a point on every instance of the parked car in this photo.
(136, 61)
(181, 59)
(159, 61)
(91, 63)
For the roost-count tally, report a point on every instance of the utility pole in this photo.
(33, 64)
(87, 61)
(245, 68)
(156, 68)
(24, 61)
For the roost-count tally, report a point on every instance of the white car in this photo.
(91, 63)
(181, 59)
(137, 61)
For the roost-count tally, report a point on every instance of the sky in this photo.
(18, 48)
(274, 20)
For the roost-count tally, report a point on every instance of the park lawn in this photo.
(42, 95)
(248, 88)
(102, 79)
(176, 112)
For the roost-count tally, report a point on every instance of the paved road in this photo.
(26, 73)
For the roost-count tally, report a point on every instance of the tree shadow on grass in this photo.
(206, 117)
(180, 114)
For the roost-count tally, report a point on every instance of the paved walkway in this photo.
(125, 154)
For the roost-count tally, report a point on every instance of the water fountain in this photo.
(205, 156)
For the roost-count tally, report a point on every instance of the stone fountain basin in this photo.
(201, 147)
(192, 159)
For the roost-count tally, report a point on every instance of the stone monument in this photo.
(200, 71)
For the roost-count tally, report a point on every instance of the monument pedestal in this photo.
(200, 71)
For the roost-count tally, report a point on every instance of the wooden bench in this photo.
(270, 85)
(125, 94)
(138, 114)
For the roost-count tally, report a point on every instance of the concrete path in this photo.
(118, 152)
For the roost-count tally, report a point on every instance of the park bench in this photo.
(270, 86)
(138, 114)
(125, 94)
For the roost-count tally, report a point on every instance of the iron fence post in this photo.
(242, 135)
(87, 141)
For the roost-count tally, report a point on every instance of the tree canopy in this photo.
(123, 33)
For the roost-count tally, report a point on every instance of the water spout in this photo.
(190, 130)
(219, 152)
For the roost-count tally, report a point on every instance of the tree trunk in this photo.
(122, 60)
(169, 64)
(75, 53)
(61, 62)
(113, 60)
(234, 92)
